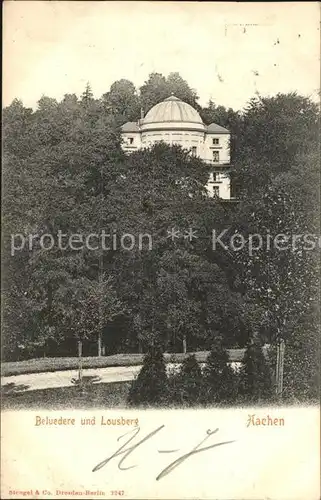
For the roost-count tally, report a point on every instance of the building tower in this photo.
(176, 122)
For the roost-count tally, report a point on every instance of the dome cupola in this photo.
(172, 113)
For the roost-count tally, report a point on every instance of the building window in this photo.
(216, 141)
(131, 140)
(193, 150)
(216, 191)
(216, 156)
(215, 177)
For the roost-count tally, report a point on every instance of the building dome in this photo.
(173, 112)
(175, 122)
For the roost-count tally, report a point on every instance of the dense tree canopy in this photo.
(64, 171)
(158, 87)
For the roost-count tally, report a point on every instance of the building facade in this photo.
(176, 122)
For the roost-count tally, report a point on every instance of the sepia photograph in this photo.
(161, 249)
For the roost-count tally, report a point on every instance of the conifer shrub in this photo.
(256, 384)
(150, 388)
(220, 381)
(186, 385)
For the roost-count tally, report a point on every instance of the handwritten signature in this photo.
(127, 451)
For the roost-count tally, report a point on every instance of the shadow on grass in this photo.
(12, 389)
(89, 396)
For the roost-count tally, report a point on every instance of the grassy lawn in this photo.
(57, 364)
(98, 396)
(103, 397)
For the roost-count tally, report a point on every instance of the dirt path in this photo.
(46, 380)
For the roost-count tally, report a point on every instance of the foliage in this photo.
(82, 306)
(166, 286)
(255, 375)
(279, 180)
(122, 101)
(220, 381)
(64, 169)
(302, 362)
(276, 130)
(151, 385)
(187, 384)
(158, 87)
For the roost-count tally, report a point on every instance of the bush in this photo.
(151, 385)
(186, 385)
(302, 366)
(220, 381)
(255, 376)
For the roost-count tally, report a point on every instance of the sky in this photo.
(226, 51)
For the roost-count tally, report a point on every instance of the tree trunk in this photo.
(184, 344)
(100, 322)
(140, 347)
(280, 367)
(99, 344)
(80, 361)
(166, 343)
(277, 369)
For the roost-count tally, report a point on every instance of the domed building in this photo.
(176, 122)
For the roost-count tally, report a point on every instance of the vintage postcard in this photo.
(161, 250)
